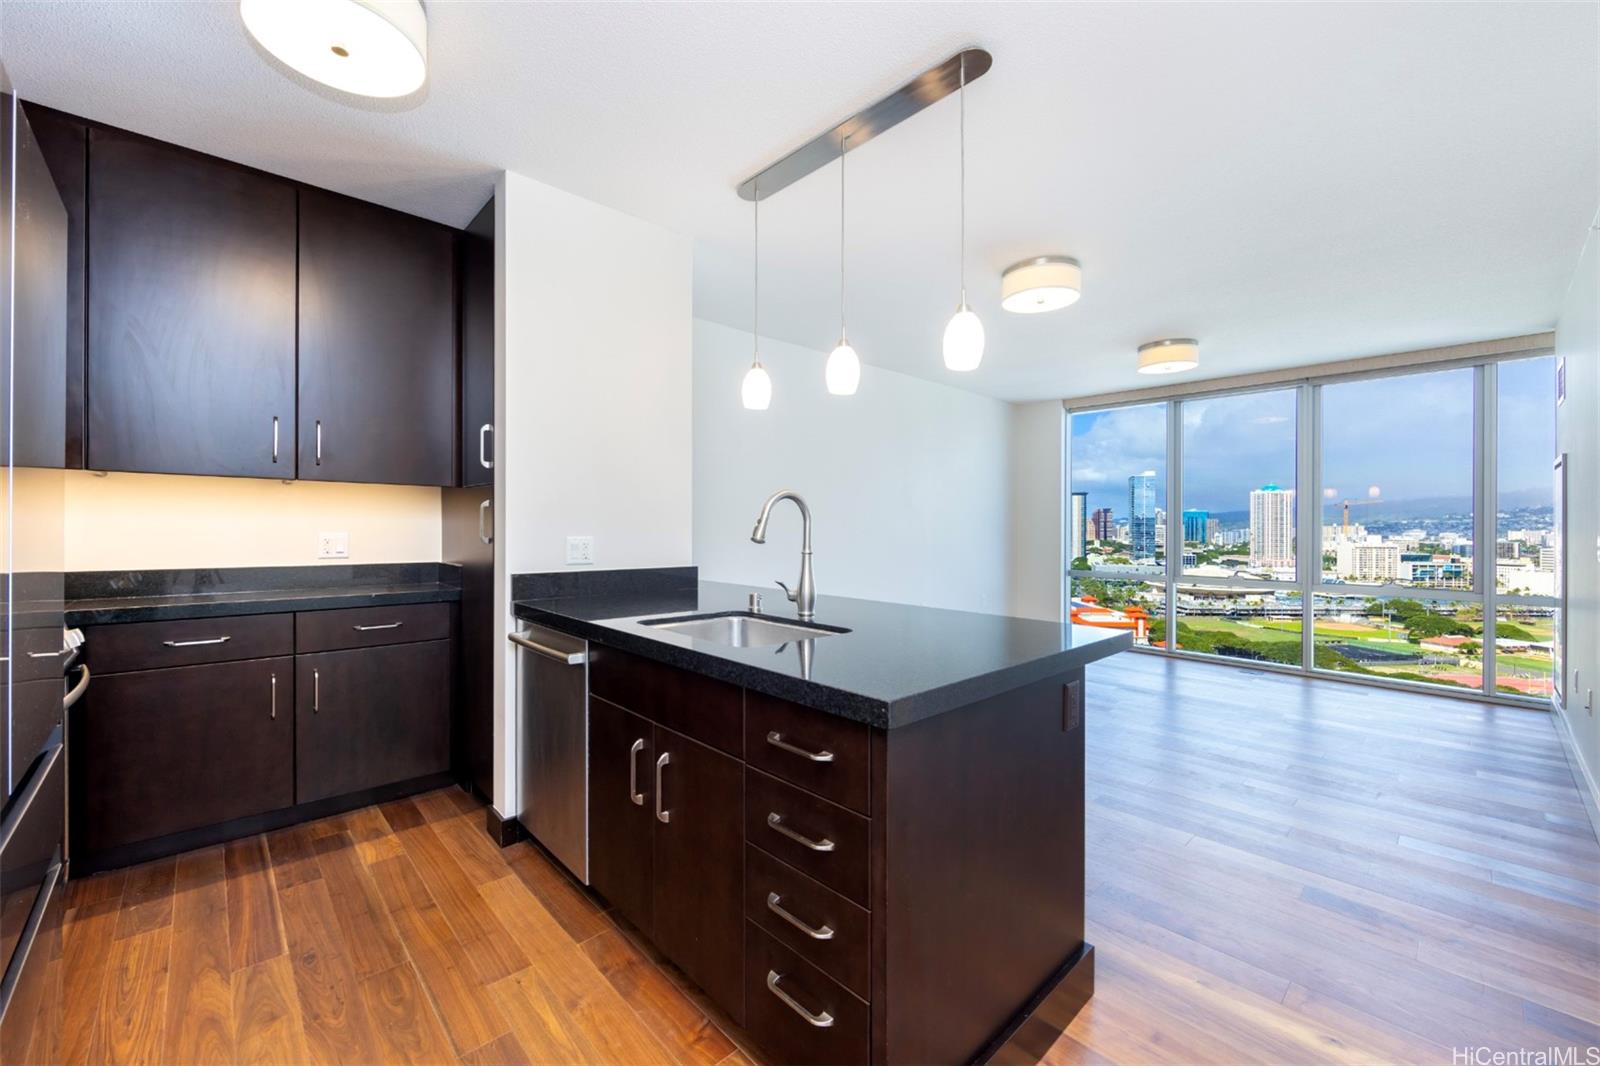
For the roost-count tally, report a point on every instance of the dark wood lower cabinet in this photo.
(369, 716)
(621, 809)
(159, 751)
(698, 886)
(795, 1013)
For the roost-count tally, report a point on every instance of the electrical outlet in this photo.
(580, 551)
(333, 545)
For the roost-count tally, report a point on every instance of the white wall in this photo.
(1578, 435)
(1038, 509)
(179, 521)
(907, 479)
(592, 399)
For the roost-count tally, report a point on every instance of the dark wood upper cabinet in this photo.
(377, 344)
(191, 313)
(477, 350)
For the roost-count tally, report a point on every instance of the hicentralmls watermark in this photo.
(1570, 1055)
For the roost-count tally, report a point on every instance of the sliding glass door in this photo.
(1329, 525)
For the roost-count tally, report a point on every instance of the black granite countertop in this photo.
(103, 597)
(897, 664)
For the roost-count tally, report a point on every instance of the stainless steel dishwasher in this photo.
(553, 745)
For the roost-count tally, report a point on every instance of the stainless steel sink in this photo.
(742, 629)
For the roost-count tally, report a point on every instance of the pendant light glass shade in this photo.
(843, 372)
(365, 47)
(756, 389)
(963, 340)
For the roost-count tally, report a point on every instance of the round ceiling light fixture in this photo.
(1043, 283)
(1169, 356)
(365, 47)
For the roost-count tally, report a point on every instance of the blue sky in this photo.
(1410, 435)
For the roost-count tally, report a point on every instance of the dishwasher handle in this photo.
(569, 658)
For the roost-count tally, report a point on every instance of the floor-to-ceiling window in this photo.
(1389, 526)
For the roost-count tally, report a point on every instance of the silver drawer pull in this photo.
(775, 821)
(633, 773)
(386, 625)
(47, 654)
(775, 905)
(821, 1021)
(195, 643)
(776, 740)
(273, 713)
(662, 814)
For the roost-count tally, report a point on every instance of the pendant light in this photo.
(365, 47)
(756, 389)
(843, 371)
(963, 336)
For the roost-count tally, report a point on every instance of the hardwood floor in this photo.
(1279, 871)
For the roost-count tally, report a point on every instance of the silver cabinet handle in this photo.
(775, 821)
(196, 643)
(47, 654)
(776, 740)
(633, 773)
(319, 442)
(316, 691)
(483, 513)
(483, 457)
(775, 905)
(77, 690)
(662, 815)
(274, 438)
(821, 1021)
(274, 714)
(386, 625)
(571, 658)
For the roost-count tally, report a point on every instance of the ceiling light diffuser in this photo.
(365, 47)
(1169, 356)
(1044, 283)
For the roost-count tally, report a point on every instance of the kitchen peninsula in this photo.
(863, 839)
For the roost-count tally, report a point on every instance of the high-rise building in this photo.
(1213, 530)
(1077, 525)
(1101, 525)
(1272, 527)
(1194, 525)
(1142, 514)
(1371, 561)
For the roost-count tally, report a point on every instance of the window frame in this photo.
(1309, 579)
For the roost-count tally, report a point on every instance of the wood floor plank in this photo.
(491, 953)
(369, 938)
(292, 854)
(470, 1015)
(254, 927)
(334, 1014)
(502, 1051)
(667, 1012)
(133, 1002)
(147, 898)
(403, 1018)
(199, 1025)
(266, 1013)
(87, 943)
(568, 903)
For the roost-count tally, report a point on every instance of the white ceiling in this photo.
(1288, 182)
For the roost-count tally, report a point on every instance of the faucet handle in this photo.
(786, 591)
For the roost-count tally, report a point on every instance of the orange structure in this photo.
(1087, 611)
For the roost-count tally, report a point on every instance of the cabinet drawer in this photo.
(368, 627)
(701, 708)
(818, 838)
(160, 751)
(823, 927)
(819, 752)
(30, 835)
(114, 649)
(795, 1013)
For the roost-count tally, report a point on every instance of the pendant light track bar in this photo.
(926, 88)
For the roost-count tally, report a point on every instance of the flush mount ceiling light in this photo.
(366, 47)
(1169, 356)
(1044, 283)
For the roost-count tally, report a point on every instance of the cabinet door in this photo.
(698, 888)
(370, 716)
(191, 346)
(159, 751)
(621, 769)
(377, 344)
(477, 350)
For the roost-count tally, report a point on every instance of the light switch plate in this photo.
(580, 551)
(333, 545)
